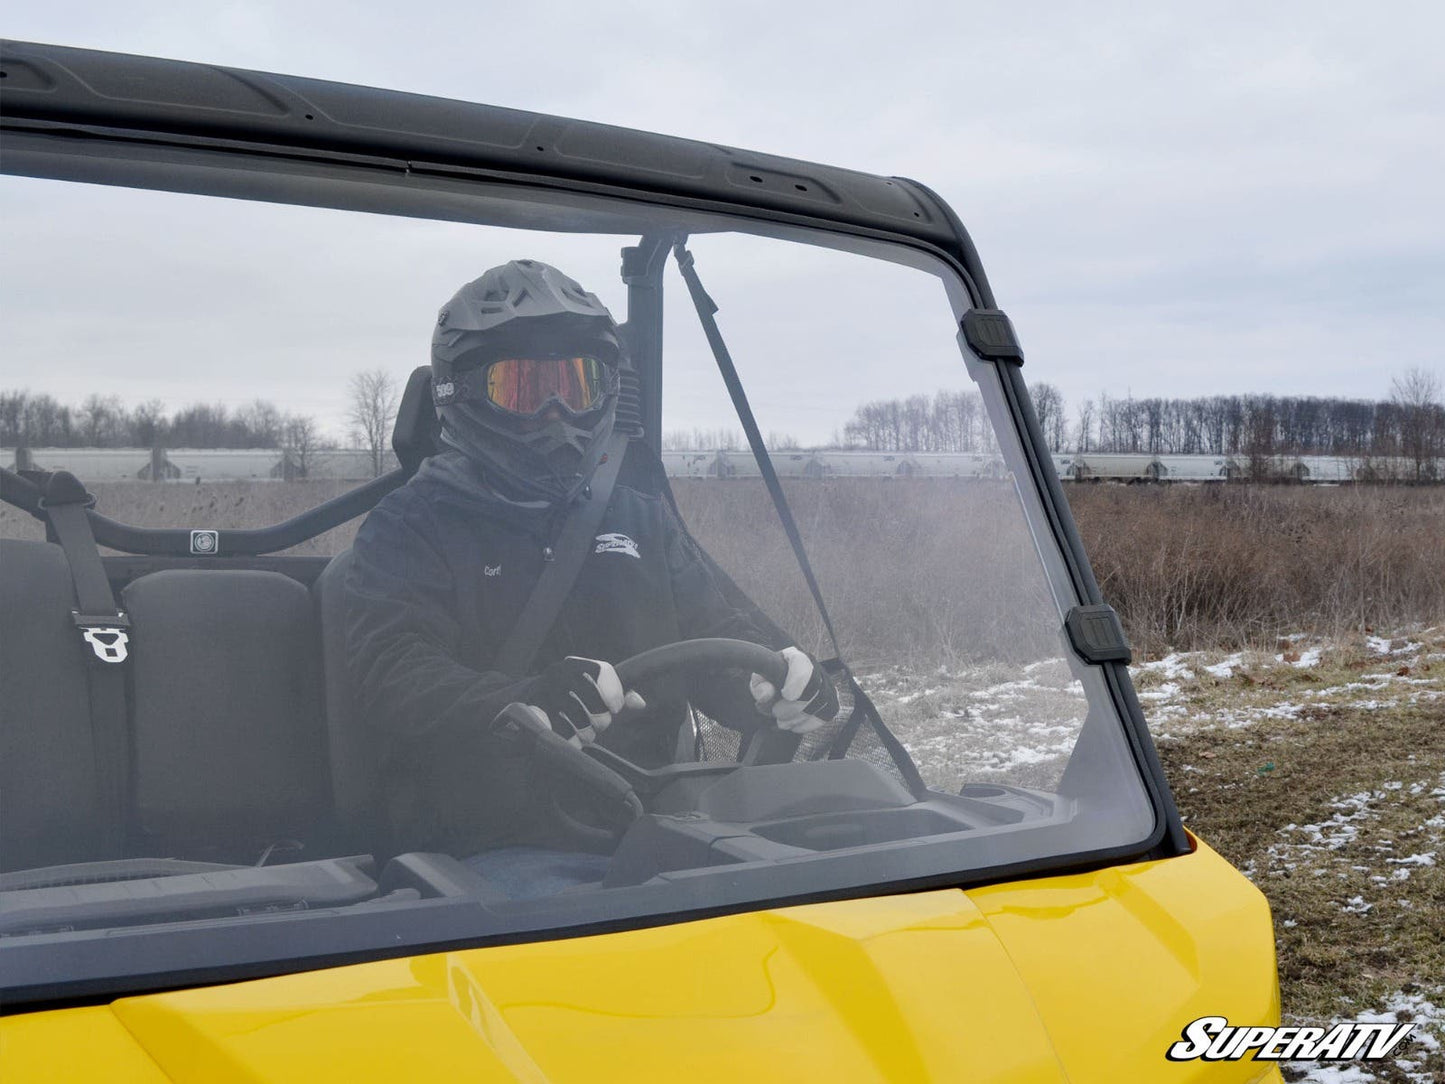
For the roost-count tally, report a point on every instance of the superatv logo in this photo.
(1212, 1038)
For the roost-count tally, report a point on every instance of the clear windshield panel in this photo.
(346, 724)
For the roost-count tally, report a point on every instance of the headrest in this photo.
(414, 437)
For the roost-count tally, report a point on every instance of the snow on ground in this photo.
(1171, 666)
(989, 723)
(1381, 645)
(1332, 849)
(1172, 689)
(1012, 723)
(1324, 847)
(1227, 667)
(1429, 1018)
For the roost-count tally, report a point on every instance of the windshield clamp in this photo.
(990, 334)
(1097, 635)
(106, 635)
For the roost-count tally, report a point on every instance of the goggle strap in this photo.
(471, 386)
(461, 387)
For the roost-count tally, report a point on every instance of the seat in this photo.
(226, 727)
(355, 771)
(417, 431)
(230, 731)
(227, 720)
(50, 810)
(354, 756)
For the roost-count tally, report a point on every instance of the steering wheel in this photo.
(618, 781)
(715, 652)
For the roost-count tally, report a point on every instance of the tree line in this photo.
(948, 421)
(1410, 424)
(42, 421)
(28, 420)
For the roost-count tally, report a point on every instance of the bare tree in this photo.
(1083, 442)
(1049, 408)
(148, 423)
(706, 440)
(374, 398)
(952, 421)
(262, 424)
(101, 420)
(1416, 395)
(300, 438)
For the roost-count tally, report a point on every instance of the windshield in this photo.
(244, 751)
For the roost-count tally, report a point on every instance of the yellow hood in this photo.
(1079, 979)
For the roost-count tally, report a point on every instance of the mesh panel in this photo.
(715, 741)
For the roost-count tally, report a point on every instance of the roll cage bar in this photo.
(101, 95)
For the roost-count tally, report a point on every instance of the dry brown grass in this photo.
(1326, 784)
(1217, 566)
(931, 571)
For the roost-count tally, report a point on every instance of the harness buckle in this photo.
(106, 635)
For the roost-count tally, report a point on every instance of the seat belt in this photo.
(562, 569)
(104, 628)
(706, 307)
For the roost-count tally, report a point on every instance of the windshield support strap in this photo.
(105, 631)
(706, 307)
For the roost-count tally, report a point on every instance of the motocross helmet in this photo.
(525, 379)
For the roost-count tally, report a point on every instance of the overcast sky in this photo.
(1169, 199)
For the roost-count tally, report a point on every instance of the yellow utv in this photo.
(972, 870)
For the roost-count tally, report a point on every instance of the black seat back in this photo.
(228, 725)
(50, 811)
(417, 431)
(355, 772)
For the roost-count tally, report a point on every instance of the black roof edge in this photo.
(57, 84)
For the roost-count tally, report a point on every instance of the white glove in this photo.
(807, 699)
(578, 697)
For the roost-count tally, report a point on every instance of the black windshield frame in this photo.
(56, 125)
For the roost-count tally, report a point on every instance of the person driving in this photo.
(526, 376)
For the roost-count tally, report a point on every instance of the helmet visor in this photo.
(526, 385)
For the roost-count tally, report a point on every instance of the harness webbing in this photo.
(105, 631)
(562, 568)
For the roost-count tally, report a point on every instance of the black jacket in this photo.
(441, 570)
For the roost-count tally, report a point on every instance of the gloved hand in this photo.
(578, 697)
(807, 699)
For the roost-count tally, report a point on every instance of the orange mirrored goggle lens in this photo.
(526, 385)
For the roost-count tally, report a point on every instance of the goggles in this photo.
(526, 385)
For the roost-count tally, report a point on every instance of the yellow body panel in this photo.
(1081, 979)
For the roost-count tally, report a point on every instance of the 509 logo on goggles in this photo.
(1213, 1038)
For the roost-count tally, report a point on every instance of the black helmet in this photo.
(527, 310)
